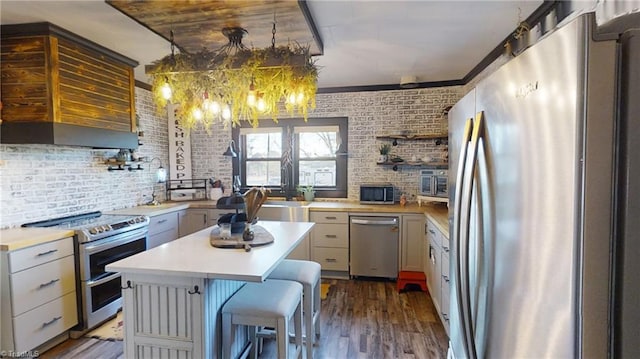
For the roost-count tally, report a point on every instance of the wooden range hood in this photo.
(59, 88)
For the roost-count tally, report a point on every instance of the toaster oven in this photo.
(434, 183)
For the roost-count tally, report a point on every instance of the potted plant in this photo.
(307, 192)
(384, 153)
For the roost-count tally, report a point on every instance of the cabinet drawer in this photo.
(444, 242)
(445, 310)
(444, 273)
(163, 223)
(329, 217)
(154, 240)
(433, 234)
(42, 253)
(44, 283)
(332, 258)
(45, 322)
(331, 235)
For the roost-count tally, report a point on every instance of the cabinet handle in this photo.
(49, 283)
(332, 217)
(196, 290)
(205, 219)
(331, 260)
(446, 249)
(446, 279)
(446, 317)
(51, 321)
(162, 221)
(47, 252)
(331, 236)
(432, 231)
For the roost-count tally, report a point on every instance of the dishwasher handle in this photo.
(379, 222)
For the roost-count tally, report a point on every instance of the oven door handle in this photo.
(99, 245)
(93, 283)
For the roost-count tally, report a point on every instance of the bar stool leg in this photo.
(228, 336)
(253, 337)
(282, 339)
(316, 310)
(298, 325)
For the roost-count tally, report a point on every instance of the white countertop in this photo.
(193, 256)
(17, 238)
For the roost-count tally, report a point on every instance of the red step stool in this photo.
(418, 278)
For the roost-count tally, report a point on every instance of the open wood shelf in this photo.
(414, 137)
(436, 165)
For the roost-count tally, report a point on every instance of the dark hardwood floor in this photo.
(360, 319)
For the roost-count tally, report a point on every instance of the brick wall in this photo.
(370, 114)
(43, 181)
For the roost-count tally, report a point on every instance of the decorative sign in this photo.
(179, 147)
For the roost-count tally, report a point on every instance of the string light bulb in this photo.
(251, 97)
(262, 105)
(166, 89)
(226, 113)
(197, 114)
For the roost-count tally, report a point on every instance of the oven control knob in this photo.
(106, 228)
(131, 221)
(98, 229)
(93, 231)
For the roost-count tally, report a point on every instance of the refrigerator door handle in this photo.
(462, 162)
(467, 189)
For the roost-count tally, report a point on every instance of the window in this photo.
(292, 153)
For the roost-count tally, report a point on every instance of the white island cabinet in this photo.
(173, 294)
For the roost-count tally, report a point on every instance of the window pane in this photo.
(318, 144)
(264, 145)
(317, 173)
(263, 173)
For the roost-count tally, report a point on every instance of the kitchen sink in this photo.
(160, 205)
(287, 211)
(286, 203)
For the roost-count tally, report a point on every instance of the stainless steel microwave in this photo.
(434, 183)
(376, 193)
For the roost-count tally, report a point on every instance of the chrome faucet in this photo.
(154, 201)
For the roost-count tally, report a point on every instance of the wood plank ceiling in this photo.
(199, 24)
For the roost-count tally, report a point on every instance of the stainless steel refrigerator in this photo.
(532, 153)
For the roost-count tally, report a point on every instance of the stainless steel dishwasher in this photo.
(373, 246)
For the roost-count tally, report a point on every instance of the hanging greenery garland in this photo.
(249, 84)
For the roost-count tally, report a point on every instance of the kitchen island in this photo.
(173, 293)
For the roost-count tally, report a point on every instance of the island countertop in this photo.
(193, 256)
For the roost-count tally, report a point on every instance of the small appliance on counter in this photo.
(377, 193)
(434, 183)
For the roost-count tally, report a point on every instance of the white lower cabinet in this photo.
(176, 317)
(438, 272)
(330, 242)
(193, 220)
(38, 294)
(163, 228)
(412, 241)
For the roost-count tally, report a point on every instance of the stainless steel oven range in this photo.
(100, 239)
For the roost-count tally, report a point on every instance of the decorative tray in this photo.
(261, 237)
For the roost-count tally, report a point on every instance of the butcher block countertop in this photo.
(436, 212)
(18, 238)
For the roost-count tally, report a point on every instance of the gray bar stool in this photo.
(306, 273)
(272, 303)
